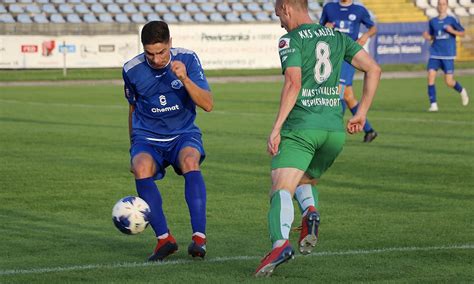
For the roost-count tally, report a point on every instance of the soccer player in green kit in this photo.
(308, 133)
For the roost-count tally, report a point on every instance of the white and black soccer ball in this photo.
(130, 215)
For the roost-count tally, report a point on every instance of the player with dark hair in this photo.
(443, 31)
(308, 133)
(347, 17)
(163, 86)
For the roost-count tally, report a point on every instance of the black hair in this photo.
(155, 32)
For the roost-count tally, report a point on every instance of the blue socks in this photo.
(195, 194)
(432, 93)
(148, 191)
(367, 126)
(458, 87)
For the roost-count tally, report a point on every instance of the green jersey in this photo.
(319, 51)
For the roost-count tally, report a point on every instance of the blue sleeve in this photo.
(367, 19)
(128, 89)
(457, 26)
(196, 73)
(431, 30)
(324, 16)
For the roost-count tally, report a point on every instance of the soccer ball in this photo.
(130, 215)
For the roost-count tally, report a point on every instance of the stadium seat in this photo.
(138, 1)
(262, 17)
(154, 1)
(145, 8)
(461, 12)
(238, 7)
(73, 18)
(170, 18)
(25, 1)
(74, 1)
(49, 9)
(471, 11)
(216, 17)
(153, 17)
(33, 9)
(177, 8)
(42, 1)
(6, 18)
(254, 7)
(97, 8)
(274, 17)
(192, 8)
(431, 12)
(129, 8)
(40, 19)
(65, 9)
(9, 2)
(82, 9)
(223, 8)
(269, 7)
(2, 9)
(201, 18)
(185, 18)
(122, 18)
(122, 2)
(208, 7)
(57, 19)
(200, 1)
(314, 6)
(161, 8)
(24, 19)
(466, 3)
(434, 3)
(106, 18)
(453, 4)
(57, 1)
(90, 18)
(422, 4)
(247, 17)
(138, 18)
(105, 2)
(16, 9)
(232, 17)
(114, 9)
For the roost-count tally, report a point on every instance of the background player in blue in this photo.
(443, 31)
(346, 17)
(163, 86)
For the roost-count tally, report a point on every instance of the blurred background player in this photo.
(443, 31)
(346, 16)
(308, 132)
(163, 86)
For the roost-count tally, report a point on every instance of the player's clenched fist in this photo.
(179, 70)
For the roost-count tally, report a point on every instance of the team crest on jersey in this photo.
(176, 84)
(352, 17)
(284, 43)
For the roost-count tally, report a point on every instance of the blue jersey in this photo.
(346, 19)
(444, 43)
(163, 107)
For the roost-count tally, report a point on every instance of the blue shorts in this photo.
(167, 153)
(447, 65)
(347, 74)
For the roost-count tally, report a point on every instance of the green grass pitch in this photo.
(397, 210)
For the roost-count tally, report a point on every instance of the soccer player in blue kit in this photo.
(163, 86)
(443, 31)
(346, 17)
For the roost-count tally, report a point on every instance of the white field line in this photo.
(226, 259)
(221, 112)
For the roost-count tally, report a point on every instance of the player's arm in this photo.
(427, 36)
(372, 72)
(201, 97)
(455, 32)
(131, 109)
(289, 95)
(365, 36)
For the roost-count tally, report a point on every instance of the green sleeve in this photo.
(290, 52)
(352, 48)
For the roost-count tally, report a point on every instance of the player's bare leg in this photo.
(450, 82)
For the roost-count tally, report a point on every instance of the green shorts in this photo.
(309, 150)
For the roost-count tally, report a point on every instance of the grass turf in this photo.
(396, 210)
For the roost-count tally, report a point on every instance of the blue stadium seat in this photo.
(161, 8)
(192, 8)
(82, 9)
(90, 18)
(130, 8)
(6, 18)
(73, 18)
(145, 8)
(269, 7)
(187, 1)
(24, 19)
(216, 17)
(201, 18)
(57, 19)
(33, 9)
(122, 18)
(65, 9)
(208, 8)
(2, 9)
(262, 17)
(42, 1)
(74, 1)
(232, 17)
(40, 19)
(106, 18)
(154, 1)
(223, 8)
(238, 7)
(16, 9)
(57, 1)
(9, 2)
(105, 2)
(138, 18)
(247, 17)
(170, 18)
(49, 9)
(138, 1)
(122, 1)
(177, 8)
(114, 9)
(25, 1)
(185, 18)
(314, 6)
(254, 7)
(97, 8)
(274, 17)
(153, 17)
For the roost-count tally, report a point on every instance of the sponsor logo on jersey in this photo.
(284, 43)
(162, 100)
(165, 109)
(176, 84)
(352, 17)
